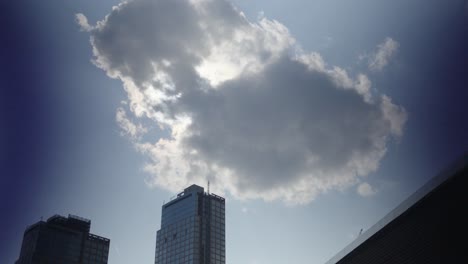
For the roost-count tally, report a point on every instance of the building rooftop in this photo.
(72, 221)
(192, 189)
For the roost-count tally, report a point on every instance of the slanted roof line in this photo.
(413, 199)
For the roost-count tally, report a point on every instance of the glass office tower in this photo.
(192, 229)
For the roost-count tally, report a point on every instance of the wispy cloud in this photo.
(245, 107)
(116, 249)
(83, 22)
(128, 127)
(381, 57)
(365, 189)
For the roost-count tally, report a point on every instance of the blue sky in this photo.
(315, 121)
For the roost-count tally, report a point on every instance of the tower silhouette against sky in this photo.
(63, 240)
(192, 229)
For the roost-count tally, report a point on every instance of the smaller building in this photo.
(63, 240)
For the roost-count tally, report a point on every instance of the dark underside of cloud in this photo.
(274, 126)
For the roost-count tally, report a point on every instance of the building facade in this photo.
(63, 240)
(192, 229)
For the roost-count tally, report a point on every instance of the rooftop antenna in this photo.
(208, 186)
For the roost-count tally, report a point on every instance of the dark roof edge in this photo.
(101, 238)
(426, 189)
(31, 227)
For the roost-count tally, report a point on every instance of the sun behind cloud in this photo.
(245, 108)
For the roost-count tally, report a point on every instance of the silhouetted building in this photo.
(192, 229)
(427, 228)
(62, 240)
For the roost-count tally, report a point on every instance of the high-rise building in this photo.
(63, 240)
(192, 229)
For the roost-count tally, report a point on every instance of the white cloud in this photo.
(365, 189)
(83, 22)
(245, 108)
(385, 51)
(395, 115)
(127, 126)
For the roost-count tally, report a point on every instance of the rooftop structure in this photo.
(63, 240)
